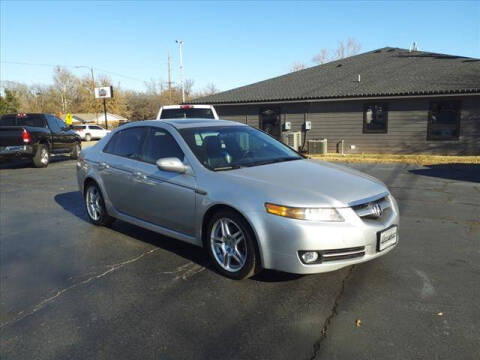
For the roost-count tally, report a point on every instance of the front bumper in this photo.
(16, 151)
(281, 239)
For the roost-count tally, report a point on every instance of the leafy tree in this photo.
(9, 103)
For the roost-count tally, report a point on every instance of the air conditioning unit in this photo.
(317, 146)
(292, 139)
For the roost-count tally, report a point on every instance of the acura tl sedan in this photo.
(250, 201)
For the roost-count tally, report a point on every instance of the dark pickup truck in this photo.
(36, 137)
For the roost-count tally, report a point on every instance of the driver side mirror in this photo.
(172, 164)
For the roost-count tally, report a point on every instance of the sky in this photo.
(226, 43)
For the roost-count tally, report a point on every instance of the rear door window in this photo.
(52, 123)
(127, 143)
(187, 113)
(160, 144)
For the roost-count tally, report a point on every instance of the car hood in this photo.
(308, 183)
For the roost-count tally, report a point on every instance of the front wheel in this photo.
(95, 205)
(88, 137)
(230, 244)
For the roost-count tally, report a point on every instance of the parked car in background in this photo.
(90, 132)
(187, 112)
(249, 200)
(36, 137)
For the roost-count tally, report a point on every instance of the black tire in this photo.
(42, 157)
(252, 261)
(88, 137)
(103, 218)
(76, 151)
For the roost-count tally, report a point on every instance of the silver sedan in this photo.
(250, 201)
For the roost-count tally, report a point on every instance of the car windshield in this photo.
(232, 147)
(188, 113)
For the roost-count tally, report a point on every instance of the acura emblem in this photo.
(377, 210)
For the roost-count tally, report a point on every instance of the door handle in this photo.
(103, 165)
(139, 175)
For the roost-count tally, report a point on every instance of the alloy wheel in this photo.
(44, 156)
(93, 201)
(228, 244)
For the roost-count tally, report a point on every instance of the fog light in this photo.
(309, 257)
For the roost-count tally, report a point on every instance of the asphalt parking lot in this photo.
(70, 290)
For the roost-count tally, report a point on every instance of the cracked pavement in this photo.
(71, 290)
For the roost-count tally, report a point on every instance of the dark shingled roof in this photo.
(383, 72)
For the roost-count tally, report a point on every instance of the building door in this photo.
(270, 122)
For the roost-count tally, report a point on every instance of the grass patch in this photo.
(407, 159)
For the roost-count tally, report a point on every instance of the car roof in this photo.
(182, 123)
(198, 106)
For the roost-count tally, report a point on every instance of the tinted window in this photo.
(444, 120)
(186, 113)
(52, 123)
(375, 118)
(79, 127)
(223, 148)
(160, 144)
(127, 143)
(60, 123)
(94, 127)
(36, 120)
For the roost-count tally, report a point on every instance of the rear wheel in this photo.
(42, 157)
(95, 205)
(76, 151)
(88, 137)
(230, 244)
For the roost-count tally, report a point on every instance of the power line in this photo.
(69, 66)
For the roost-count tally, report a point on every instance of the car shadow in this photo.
(73, 203)
(26, 163)
(453, 171)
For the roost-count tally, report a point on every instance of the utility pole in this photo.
(93, 88)
(180, 45)
(169, 78)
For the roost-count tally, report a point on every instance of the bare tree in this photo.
(352, 47)
(210, 89)
(297, 66)
(322, 57)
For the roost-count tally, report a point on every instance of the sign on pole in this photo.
(105, 92)
(68, 119)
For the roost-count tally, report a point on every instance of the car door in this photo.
(95, 131)
(165, 198)
(56, 132)
(66, 135)
(118, 164)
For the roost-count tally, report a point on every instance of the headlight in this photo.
(313, 214)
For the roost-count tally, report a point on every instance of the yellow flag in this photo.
(68, 119)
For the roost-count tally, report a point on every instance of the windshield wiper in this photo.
(272, 161)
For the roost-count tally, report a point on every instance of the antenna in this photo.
(414, 47)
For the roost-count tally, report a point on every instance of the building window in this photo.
(444, 120)
(375, 118)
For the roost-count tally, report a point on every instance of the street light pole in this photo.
(180, 45)
(93, 88)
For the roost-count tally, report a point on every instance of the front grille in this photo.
(374, 209)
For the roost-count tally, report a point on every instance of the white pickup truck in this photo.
(187, 112)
